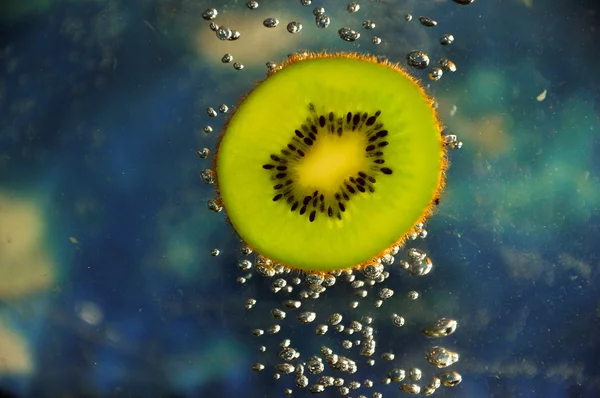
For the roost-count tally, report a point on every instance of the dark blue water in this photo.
(107, 285)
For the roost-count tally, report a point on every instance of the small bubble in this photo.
(210, 14)
(348, 34)
(318, 11)
(223, 108)
(417, 59)
(271, 23)
(250, 303)
(321, 330)
(208, 129)
(301, 381)
(212, 113)
(396, 375)
(294, 27)
(214, 205)
(253, 5)
(322, 21)
(386, 293)
(241, 280)
(410, 388)
(426, 21)
(450, 378)
(238, 66)
(397, 320)
(258, 332)
(387, 356)
(368, 24)
(306, 2)
(224, 33)
(446, 39)
(376, 40)
(353, 7)
(447, 65)
(285, 368)
(415, 374)
(441, 328)
(441, 357)
(213, 26)
(435, 75)
(244, 265)
(413, 295)
(307, 317)
(464, 2)
(214, 252)
(257, 367)
(207, 176)
(316, 388)
(292, 304)
(278, 314)
(203, 153)
(408, 17)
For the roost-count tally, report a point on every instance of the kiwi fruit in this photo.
(330, 161)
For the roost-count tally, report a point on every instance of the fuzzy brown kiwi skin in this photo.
(445, 163)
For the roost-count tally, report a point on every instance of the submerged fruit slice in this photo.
(330, 161)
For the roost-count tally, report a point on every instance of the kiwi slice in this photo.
(330, 161)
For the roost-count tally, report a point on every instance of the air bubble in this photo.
(213, 26)
(278, 314)
(408, 17)
(271, 23)
(208, 129)
(258, 332)
(441, 357)
(250, 303)
(244, 265)
(306, 2)
(227, 58)
(426, 21)
(207, 176)
(450, 378)
(353, 7)
(210, 14)
(447, 65)
(215, 252)
(396, 375)
(368, 24)
(321, 329)
(376, 40)
(435, 75)
(386, 293)
(238, 66)
(212, 113)
(410, 388)
(322, 21)
(348, 34)
(257, 367)
(413, 295)
(446, 39)
(214, 205)
(417, 59)
(285, 368)
(203, 153)
(397, 320)
(318, 11)
(307, 317)
(253, 5)
(415, 374)
(441, 328)
(224, 33)
(294, 27)
(223, 108)
(464, 2)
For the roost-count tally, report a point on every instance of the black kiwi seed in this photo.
(304, 137)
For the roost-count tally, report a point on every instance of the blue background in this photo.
(107, 284)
